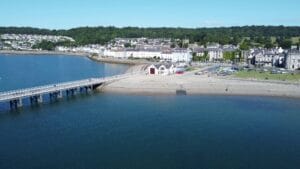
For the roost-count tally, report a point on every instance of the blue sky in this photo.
(65, 14)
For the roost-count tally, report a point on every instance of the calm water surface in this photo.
(119, 131)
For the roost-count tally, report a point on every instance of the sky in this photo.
(66, 14)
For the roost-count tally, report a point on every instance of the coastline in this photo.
(199, 85)
(119, 61)
(189, 83)
(15, 52)
(96, 59)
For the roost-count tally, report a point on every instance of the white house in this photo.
(200, 52)
(215, 54)
(181, 55)
(265, 60)
(117, 53)
(143, 53)
(293, 60)
(161, 69)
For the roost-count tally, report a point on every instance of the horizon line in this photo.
(149, 27)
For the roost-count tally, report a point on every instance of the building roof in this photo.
(167, 65)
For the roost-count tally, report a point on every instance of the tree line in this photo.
(246, 36)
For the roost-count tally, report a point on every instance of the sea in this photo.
(119, 131)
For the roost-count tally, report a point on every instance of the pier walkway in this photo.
(56, 91)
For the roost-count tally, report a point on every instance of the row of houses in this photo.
(153, 48)
(213, 54)
(167, 54)
(289, 59)
(139, 42)
(34, 38)
(27, 41)
(259, 57)
(161, 49)
(214, 51)
(91, 49)
(173, 55)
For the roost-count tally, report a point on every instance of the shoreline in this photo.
(195, 85)
(148, 93)
(15, 52)
(118, 61)
(89, 56)
(189, 83)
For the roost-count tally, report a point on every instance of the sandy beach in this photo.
(188, 82)
(200, 85)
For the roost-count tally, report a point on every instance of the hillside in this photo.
(266, 35)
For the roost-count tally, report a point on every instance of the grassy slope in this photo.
(295, 39)
(267, 76)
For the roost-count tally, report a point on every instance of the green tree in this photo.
(245, 46)
(173, 45)
(45, 45)
(229, 55)
(185, 45)
(127, 45)
(223, 35)
(205, 57)
(268, 43)
(195, 57)
(285, 43)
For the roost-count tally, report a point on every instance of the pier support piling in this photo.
(36, 99)
(56, 95)
(15, 104)
(71, 92)
(86, 89)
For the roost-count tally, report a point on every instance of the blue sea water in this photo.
(122, 131)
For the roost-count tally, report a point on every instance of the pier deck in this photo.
(35, 94)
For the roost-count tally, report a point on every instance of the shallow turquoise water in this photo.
(119, 131)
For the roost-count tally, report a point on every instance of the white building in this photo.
(116, 53)
(178, 55)
(267, 57)
(161, 69)
(200, 51)
(293, 60)
(215, 54)
(175, 55)
(264, 60)
(91, 49)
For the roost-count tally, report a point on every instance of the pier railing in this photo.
(15, 96)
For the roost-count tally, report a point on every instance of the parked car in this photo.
(275, 72)
(199, 73)
(180, 72)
